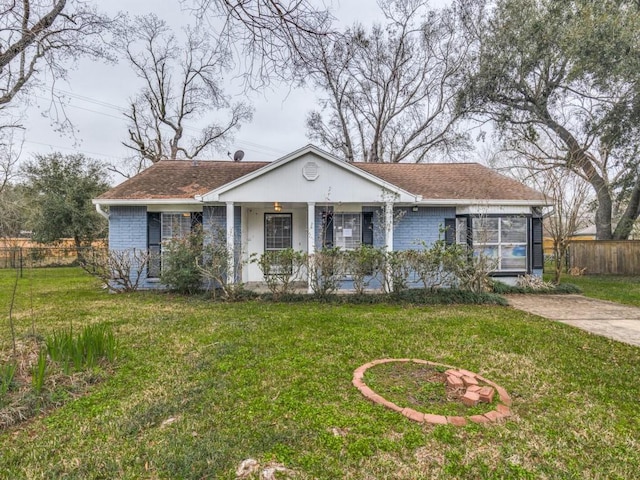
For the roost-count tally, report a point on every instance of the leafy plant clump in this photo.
(84, 351)
(45, 374)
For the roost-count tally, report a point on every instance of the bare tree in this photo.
(389, 92)
(267, 34)
(568, 193)
(570, 196)
(181, 84)
(10, 152)
(39, 35)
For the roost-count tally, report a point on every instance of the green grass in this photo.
(621, 289)
(201, 386)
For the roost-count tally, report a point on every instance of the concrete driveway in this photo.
(619, 322)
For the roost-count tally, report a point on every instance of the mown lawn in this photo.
(273, 382)
(621, 289)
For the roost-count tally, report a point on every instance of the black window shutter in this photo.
(153, 229)
(450, 231)
(327, 227)
(367, 228)
(154, 241)
(536, 244)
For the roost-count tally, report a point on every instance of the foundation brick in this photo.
(486, 394)
(391, 405)
(435, 419)
(474, 388)
(455, 373)
(470, 399)
(469, 380)
(493, 416)
(454, 382)
(479, 419)
(366, 391)
(503, 410)
(457, 421)
(504, 396)
(411, 414)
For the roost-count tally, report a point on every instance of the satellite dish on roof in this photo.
(238, 156)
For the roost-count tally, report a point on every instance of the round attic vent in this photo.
(310, 171)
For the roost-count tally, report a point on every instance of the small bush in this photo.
(120, 270)
(214, 265)
(180, 259)
(398, 269)
(365, 264)
(280, 268)
(327, 270)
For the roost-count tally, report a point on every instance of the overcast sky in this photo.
(98, 93)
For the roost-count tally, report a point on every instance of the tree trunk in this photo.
(630, 215)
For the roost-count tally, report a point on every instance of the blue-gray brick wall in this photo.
(411, 227)
(415, 227)
(127, 228)
(128, 231)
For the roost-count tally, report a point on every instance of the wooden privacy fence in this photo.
(605, 257)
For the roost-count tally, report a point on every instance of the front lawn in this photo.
(200, 386)
(621, 289)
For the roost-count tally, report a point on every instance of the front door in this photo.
(278, 231)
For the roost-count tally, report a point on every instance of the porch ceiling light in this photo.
(277, 207)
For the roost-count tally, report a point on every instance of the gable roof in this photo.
(184, 180)
(180, 179)
(447, 181)
(321, 154)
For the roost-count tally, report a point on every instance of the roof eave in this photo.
(114, 202)
(482, 202)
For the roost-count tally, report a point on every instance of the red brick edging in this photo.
(474, 393)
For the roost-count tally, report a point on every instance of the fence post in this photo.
(21, 261)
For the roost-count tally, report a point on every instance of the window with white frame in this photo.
(163, 227)
(503, 239)
(175, 225)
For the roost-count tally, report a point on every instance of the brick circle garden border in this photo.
(502, 410)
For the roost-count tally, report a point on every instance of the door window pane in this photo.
(277, 231)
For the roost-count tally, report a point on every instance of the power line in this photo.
(257, 147)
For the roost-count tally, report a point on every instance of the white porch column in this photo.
(388, 237)
(311, 240)
(230, 243)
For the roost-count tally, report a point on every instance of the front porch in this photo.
(304, 227)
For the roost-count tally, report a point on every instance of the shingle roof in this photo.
(172, 179)
(447, 181)
(181, 179)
